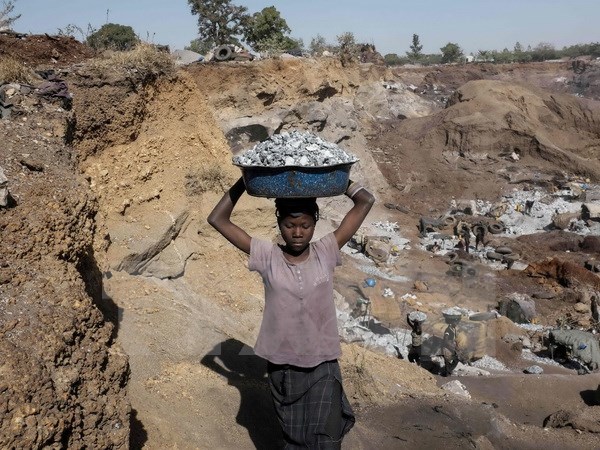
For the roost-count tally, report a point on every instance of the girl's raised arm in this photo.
(220, 218)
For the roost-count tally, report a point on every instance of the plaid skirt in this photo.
(311, 406)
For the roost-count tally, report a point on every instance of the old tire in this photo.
(470, 271)
(496, 228)
(543, 295)
(451, 256)
(449, 221)
(223, 52)
(456, 270)
(511, 257)
(494, 256)
(478, 229)
(490, 315)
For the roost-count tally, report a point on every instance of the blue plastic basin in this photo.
(296, 181)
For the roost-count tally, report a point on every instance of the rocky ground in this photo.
(105, 250)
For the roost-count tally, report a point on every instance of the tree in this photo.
(392, 59)
(485, 55)
(114, 37)
(219, 21)
(519, 54)
(348, 48)
(451, 52)
(518, 48)
(592, 49)
(317, 45)
(415, 49)
(198, 46)
(544, 51)
(267, 30)
(5, 19)
(503, 57)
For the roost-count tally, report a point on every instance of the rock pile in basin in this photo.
(295, 148)
(417, 316)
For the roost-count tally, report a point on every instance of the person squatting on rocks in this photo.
(298, 335)
(450, 347)
(414, 354)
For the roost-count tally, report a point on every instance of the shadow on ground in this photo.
(248, 373)
(138, 435)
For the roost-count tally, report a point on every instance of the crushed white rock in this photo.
(296, 148)
(417, 316)
(489, 363)
(457, 388)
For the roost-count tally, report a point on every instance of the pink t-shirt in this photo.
(299, 325)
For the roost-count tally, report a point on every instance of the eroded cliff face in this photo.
(62, 377)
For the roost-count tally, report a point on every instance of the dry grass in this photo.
(13, 71)
(212, 178)
(144, 60)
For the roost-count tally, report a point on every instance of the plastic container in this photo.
(296, 181)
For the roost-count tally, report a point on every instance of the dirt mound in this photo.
(492, 118)
(43, 50)
(62, 377)
(490, 127)
(262, 85)
(565, 77)
(565, 272)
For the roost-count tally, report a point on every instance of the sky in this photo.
(388, 24)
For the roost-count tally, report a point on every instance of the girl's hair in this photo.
(295, 207)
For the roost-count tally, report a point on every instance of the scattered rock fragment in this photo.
(3, 189)
(563, 220)
(534, 370)
(457, 388)
(32, 165)
(421, 286)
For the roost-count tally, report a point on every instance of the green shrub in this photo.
(113, 36)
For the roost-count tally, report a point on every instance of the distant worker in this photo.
(479, 236)
(414, 354)
(528, 206)
(450, 346)
(465, 235)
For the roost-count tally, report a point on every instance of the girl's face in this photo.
(297, 232)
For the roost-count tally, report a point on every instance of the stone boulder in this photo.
(583, 419)
(518, 307)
